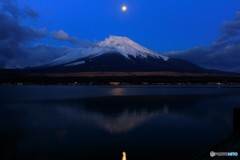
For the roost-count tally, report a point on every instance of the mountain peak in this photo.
(117, 39)
(113, 37)
(128, 47)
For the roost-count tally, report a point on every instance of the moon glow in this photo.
(124, 8)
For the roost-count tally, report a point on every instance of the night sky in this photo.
(203, 31)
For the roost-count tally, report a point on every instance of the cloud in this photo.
(230, 29)
(16, 39)
(38, 55)
(223, 54)
(13, 35)
(226, 59)
(63, 36)
(30, 12)
(10, 7)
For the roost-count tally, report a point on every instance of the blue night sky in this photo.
(206, 32)
(164, 25)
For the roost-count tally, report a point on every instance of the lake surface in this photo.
(101, 122)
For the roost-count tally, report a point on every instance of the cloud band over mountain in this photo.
(223, 54)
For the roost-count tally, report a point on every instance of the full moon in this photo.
(124, 8)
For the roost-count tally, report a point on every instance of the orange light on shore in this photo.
(124, 156)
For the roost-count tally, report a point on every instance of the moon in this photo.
(124, 8)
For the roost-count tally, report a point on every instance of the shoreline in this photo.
(118, 78)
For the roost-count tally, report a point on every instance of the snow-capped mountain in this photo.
(122, 45)
(128, 48)
(118, 54)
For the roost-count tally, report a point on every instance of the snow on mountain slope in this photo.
(122, 45)
(74, 55)
(127, 48)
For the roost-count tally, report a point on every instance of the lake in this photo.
(101, 122)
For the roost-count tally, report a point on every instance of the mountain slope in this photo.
(119, 54)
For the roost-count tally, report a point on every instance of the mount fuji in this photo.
(118, 54)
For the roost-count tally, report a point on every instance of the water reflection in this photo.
(123, 122)
(124, 154)
(118, 114)
(147, 126)
(117, 91)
